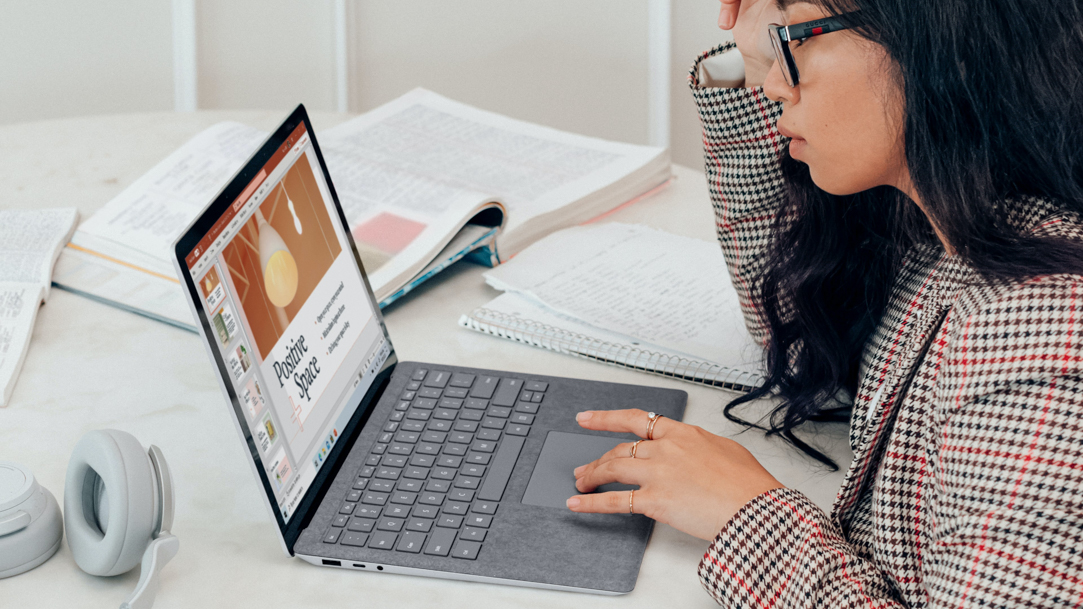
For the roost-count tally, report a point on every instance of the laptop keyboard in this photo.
(435, 477)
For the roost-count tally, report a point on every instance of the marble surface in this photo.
(91, 366)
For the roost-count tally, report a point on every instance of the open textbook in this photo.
(30, 242)
(626, 295)
(423, 181)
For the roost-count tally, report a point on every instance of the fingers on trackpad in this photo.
(552, 482)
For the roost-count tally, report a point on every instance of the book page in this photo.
(30, 241)
(654, 286)
(449, 146)
(18, 306)
(140, 224)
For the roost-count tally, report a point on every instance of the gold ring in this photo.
(635, 447)
(650, 424)
(631, 498)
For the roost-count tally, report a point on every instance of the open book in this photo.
(423, 181)
(30, 242)
(630, 296)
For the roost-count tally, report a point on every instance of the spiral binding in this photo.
(541, 335)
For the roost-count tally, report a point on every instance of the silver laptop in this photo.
(369, 463)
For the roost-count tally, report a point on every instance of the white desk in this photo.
(91, 366)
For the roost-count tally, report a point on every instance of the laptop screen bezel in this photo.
(184, 245)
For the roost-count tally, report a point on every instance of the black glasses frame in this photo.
(782, 35)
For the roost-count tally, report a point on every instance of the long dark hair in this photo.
(993, 108)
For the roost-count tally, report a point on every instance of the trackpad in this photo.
(553, 482)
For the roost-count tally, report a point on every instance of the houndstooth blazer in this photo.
(967, 491)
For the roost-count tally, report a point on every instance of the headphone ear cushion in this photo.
(110, 502)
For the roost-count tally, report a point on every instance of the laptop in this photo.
(374, 464)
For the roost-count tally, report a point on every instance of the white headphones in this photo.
(118, 507)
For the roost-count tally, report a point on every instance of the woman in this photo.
(899, 205)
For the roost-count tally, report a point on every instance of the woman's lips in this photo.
(797, 143)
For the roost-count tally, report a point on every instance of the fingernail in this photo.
(584, 416)
(573, 502)
(579, 470)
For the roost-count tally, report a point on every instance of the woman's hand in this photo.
(688, 478)
(748, 20)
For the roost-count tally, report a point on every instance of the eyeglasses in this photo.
(782, 35)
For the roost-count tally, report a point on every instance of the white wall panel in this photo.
(580, 66)
(266, 54)
(64, 58)
(695, 29)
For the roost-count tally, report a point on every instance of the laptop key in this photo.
(450, 461)
(419, 374)
(417, 473)
(466, 549)
(380, 449)
(450, 403)
(460, 438)
(467, 482)
(536, 386)
(425, 511)
(429, 498)
(386, 437)
(360, 484)
(417, 426)
(413, 385)
(479, 520)
(507, 392)
(411, 542)
(440, 542)
(455, 449)
(476, 404)
(390, 524)
(397, 511)
(393, 461)
(347, 508)
(434, 436)
(492, 423)
(340, 520)
(439, 426)
(461, 494)
(484, 507)
(423, 460)
(361, 525)
(473, 534)
(402, 406)
(374, 498)
(528, 408)
(388, 473)
(396, 416)
(366, 472)
(332, 536)
(368, 511)
(518, 430)
(499, 412)
(484, 387)
(483, 446)
(408, 395)
(478, 458)
(489, 434)
(538, 397)
(461, 379)
(410, 486)
(355, 539)
(443, 473)
(407, 437)
(400, 449)
(522, 418)
(417, 415)
(404, 498)
(438, 486)
(466, 426)
(429, 449)
(372, 460)
(425, 403)
(445, 414)
(471, 415)
(455, 507)
(353, 496)
(500, 471)
(438, 378)
(450, 521)
(473, 470)
(382, 486)
(383, 540)
(455, 392)
(419, 524)
(429, 392)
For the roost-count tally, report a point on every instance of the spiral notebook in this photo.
(629, 296)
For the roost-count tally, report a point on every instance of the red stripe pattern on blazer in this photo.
(967, 491)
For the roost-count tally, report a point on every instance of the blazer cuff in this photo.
(759, 549)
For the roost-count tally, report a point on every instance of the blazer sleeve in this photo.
(1005, 511)
(741, 152)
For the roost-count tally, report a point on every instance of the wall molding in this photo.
(185, 74)
(659, 56)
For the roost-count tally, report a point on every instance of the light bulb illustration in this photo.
(296, 221)
(279, 266)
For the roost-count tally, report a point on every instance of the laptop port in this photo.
(332, 563)
(359, 566)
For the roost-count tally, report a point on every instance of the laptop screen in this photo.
(298, 337)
